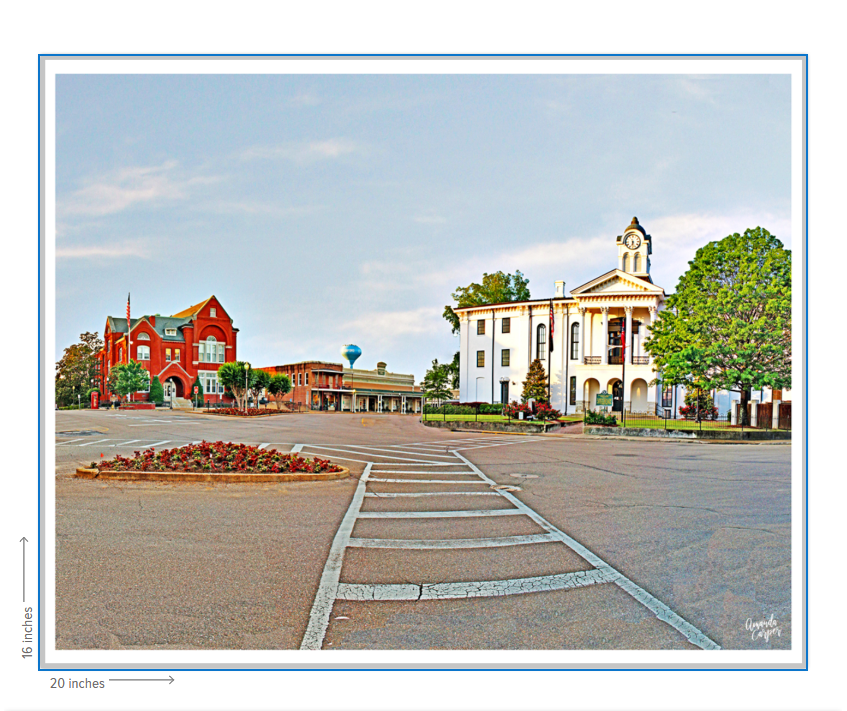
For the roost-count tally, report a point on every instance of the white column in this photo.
(583, 335)
(629, 339)
(775, 414)
(754, 413)
(653, 312)
(605, 354)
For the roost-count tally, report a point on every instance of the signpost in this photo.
(604, 399)
(196, 390)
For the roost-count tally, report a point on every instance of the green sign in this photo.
(604, 399)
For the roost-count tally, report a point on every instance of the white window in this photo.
(176, 356)
(213, 312)
(211, 351)
(170, 331)
(168, 354)
(142, 337)
(209, 381)
(143, 353)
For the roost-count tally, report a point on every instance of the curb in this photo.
(222, 478)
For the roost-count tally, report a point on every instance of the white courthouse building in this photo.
(499, 341)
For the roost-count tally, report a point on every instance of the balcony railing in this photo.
(641, 360)
(616, 360)
(591, 360)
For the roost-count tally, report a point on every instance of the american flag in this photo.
(552, 322)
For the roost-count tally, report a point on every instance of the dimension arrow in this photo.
(23, 544)
(170, 679)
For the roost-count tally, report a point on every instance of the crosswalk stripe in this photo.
(445, 543)
(441, 514)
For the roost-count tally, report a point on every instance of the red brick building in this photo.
(179, 348)
(314, 383)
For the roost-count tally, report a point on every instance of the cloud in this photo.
(253, 207)
(126, 187)
(113, 251)
(304, 152)
(429, 218)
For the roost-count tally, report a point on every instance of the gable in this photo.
(617, 282)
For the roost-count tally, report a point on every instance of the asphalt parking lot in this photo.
(441, 540)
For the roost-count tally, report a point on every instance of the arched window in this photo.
(625, 264)
(636, 263)
(143, 353)
(541, 342)
(210, 351)
(142, 337)
(575, 341)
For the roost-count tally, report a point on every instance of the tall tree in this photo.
(236, 377)
(76, 372)
(535, 385)
(128, 378)
(435, 382)
(496, 288)
(260, 381)
(279, 386)
(728, 326)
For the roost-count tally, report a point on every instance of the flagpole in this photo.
(549, 355)
(623, 373)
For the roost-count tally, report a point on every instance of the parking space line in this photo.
(156, 444)
(482, 588)
(449, 543)
(662, 611)
(69, 441)
(85, 444)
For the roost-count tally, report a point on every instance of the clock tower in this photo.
(634, 249)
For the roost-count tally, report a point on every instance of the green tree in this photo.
(535, 385)
(129, 378)
(728, 326)
(236, 377)
(496, 288)
(260, 381)
(453, 371)
(435, 382)
(76, 371)
(157, 392)
(279, 386)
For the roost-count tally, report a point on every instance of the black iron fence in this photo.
(757, 416)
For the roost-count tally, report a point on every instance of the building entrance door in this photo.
(170, 390)
(504, 392)
(617, 396)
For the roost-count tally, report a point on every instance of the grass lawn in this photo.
(489, 418)
(660, 424)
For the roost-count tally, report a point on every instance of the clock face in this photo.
(633, 241)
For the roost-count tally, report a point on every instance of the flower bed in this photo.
(241, 412)
(216, 457)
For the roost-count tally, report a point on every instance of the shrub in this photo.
(513, 410)
(157, 392)
(690, 411)
(543, 411)
(599, 418)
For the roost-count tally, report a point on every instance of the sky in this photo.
(323, 210)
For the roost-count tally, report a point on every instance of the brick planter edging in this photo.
(527, 427)
(218, 478)
(728, 434)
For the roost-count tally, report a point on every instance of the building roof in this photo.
(192, 310)
(118, 325)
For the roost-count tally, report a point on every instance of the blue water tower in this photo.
(351, 353)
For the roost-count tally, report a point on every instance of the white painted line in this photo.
(662, 611)
(432, 493)
(124, 444)
(68, 441)
(441, 514)
(407, 471)
(445, 543)
(297, 448)
(400, 451)
(335, 456)
(156, 444)
(328, 587)
(263, 445)
(426, 481)
(85, 444)
(381, 456)
(483, 588)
